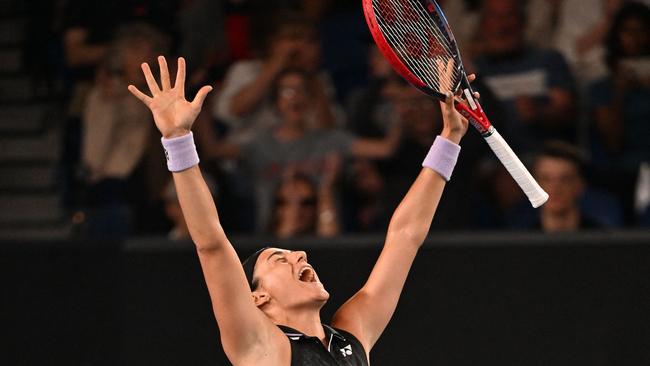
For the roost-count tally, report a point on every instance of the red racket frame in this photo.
(476, 117)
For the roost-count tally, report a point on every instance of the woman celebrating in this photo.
(268, 310)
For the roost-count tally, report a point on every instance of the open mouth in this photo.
(307, 274)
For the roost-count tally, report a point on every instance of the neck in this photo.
(566, 220)
(307, 321)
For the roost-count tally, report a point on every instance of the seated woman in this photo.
(301, 208)
(268, 310)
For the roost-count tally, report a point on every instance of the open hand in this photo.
(173, 114)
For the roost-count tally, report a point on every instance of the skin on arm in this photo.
(559, 110)
(248, 337)
(368, 312)
(375, 148)
(78, 52)
(244, 101)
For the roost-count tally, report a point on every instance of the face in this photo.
(133, 56)
(421, 114)
(295, 208)
(292, 98)
(379, 66)
(634, 38)
(560, 178)
(289, 280)
(502, 26)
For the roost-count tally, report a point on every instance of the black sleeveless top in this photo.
(344, 348)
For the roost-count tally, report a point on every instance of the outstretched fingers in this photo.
(164, 73)
(151, 82)
(200, 97)
(140, 95)
(179, 84)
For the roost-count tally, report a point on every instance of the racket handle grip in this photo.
(516, 168)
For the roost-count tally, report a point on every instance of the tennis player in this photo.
(268, 310)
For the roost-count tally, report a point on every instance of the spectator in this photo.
(371, 108)
(619, 103)
(301, 208)
(88, 29)
(115, 132)
(366, 208)
(292, 146)
(534, 85)
(559, 169)
(575, 28)
(244, 102)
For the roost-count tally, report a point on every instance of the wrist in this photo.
(453, 136)
(180, 152)
(442, 157)
(177, 132)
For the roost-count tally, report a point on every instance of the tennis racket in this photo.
(416, 39)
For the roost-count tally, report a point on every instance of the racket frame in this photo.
(465, 102)
(473, 112)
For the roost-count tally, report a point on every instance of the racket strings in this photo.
(418, 41)
(410, 48)
(425, 31)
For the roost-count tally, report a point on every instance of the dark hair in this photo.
(266, 28)
(249, 268)
(563, 151)
(275, 85)
(613, 45)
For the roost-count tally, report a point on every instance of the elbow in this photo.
(407, 234)
(209, 242)
(204, 247)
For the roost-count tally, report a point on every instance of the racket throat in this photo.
(470, 99)
(474, 114)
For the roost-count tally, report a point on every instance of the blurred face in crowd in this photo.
(295, 208)
(134, 54)
(634, 38)
(379, 66)
(562, 180)
(302, 45)
(292, 98)
(502, 26)
(420, 114)
(287, 281)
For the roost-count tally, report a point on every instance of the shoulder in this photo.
(351, 346)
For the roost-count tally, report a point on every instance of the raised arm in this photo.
(242, 326)
(368, 312)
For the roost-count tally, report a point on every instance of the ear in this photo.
(260, 298)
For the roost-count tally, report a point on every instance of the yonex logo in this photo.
(346, 351)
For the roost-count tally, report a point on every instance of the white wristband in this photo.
(180, 152)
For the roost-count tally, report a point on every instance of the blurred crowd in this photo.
(310, 132)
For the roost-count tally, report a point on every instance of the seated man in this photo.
(268, 311)
(534, 85)
(558, 168)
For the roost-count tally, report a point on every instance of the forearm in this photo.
(559, 110)
(244, 101)
(377, 148)
(78, 53)
(412, 218)
(199, 209)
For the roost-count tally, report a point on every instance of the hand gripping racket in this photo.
(416, 39)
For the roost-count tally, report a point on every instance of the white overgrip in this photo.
(517, 170)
